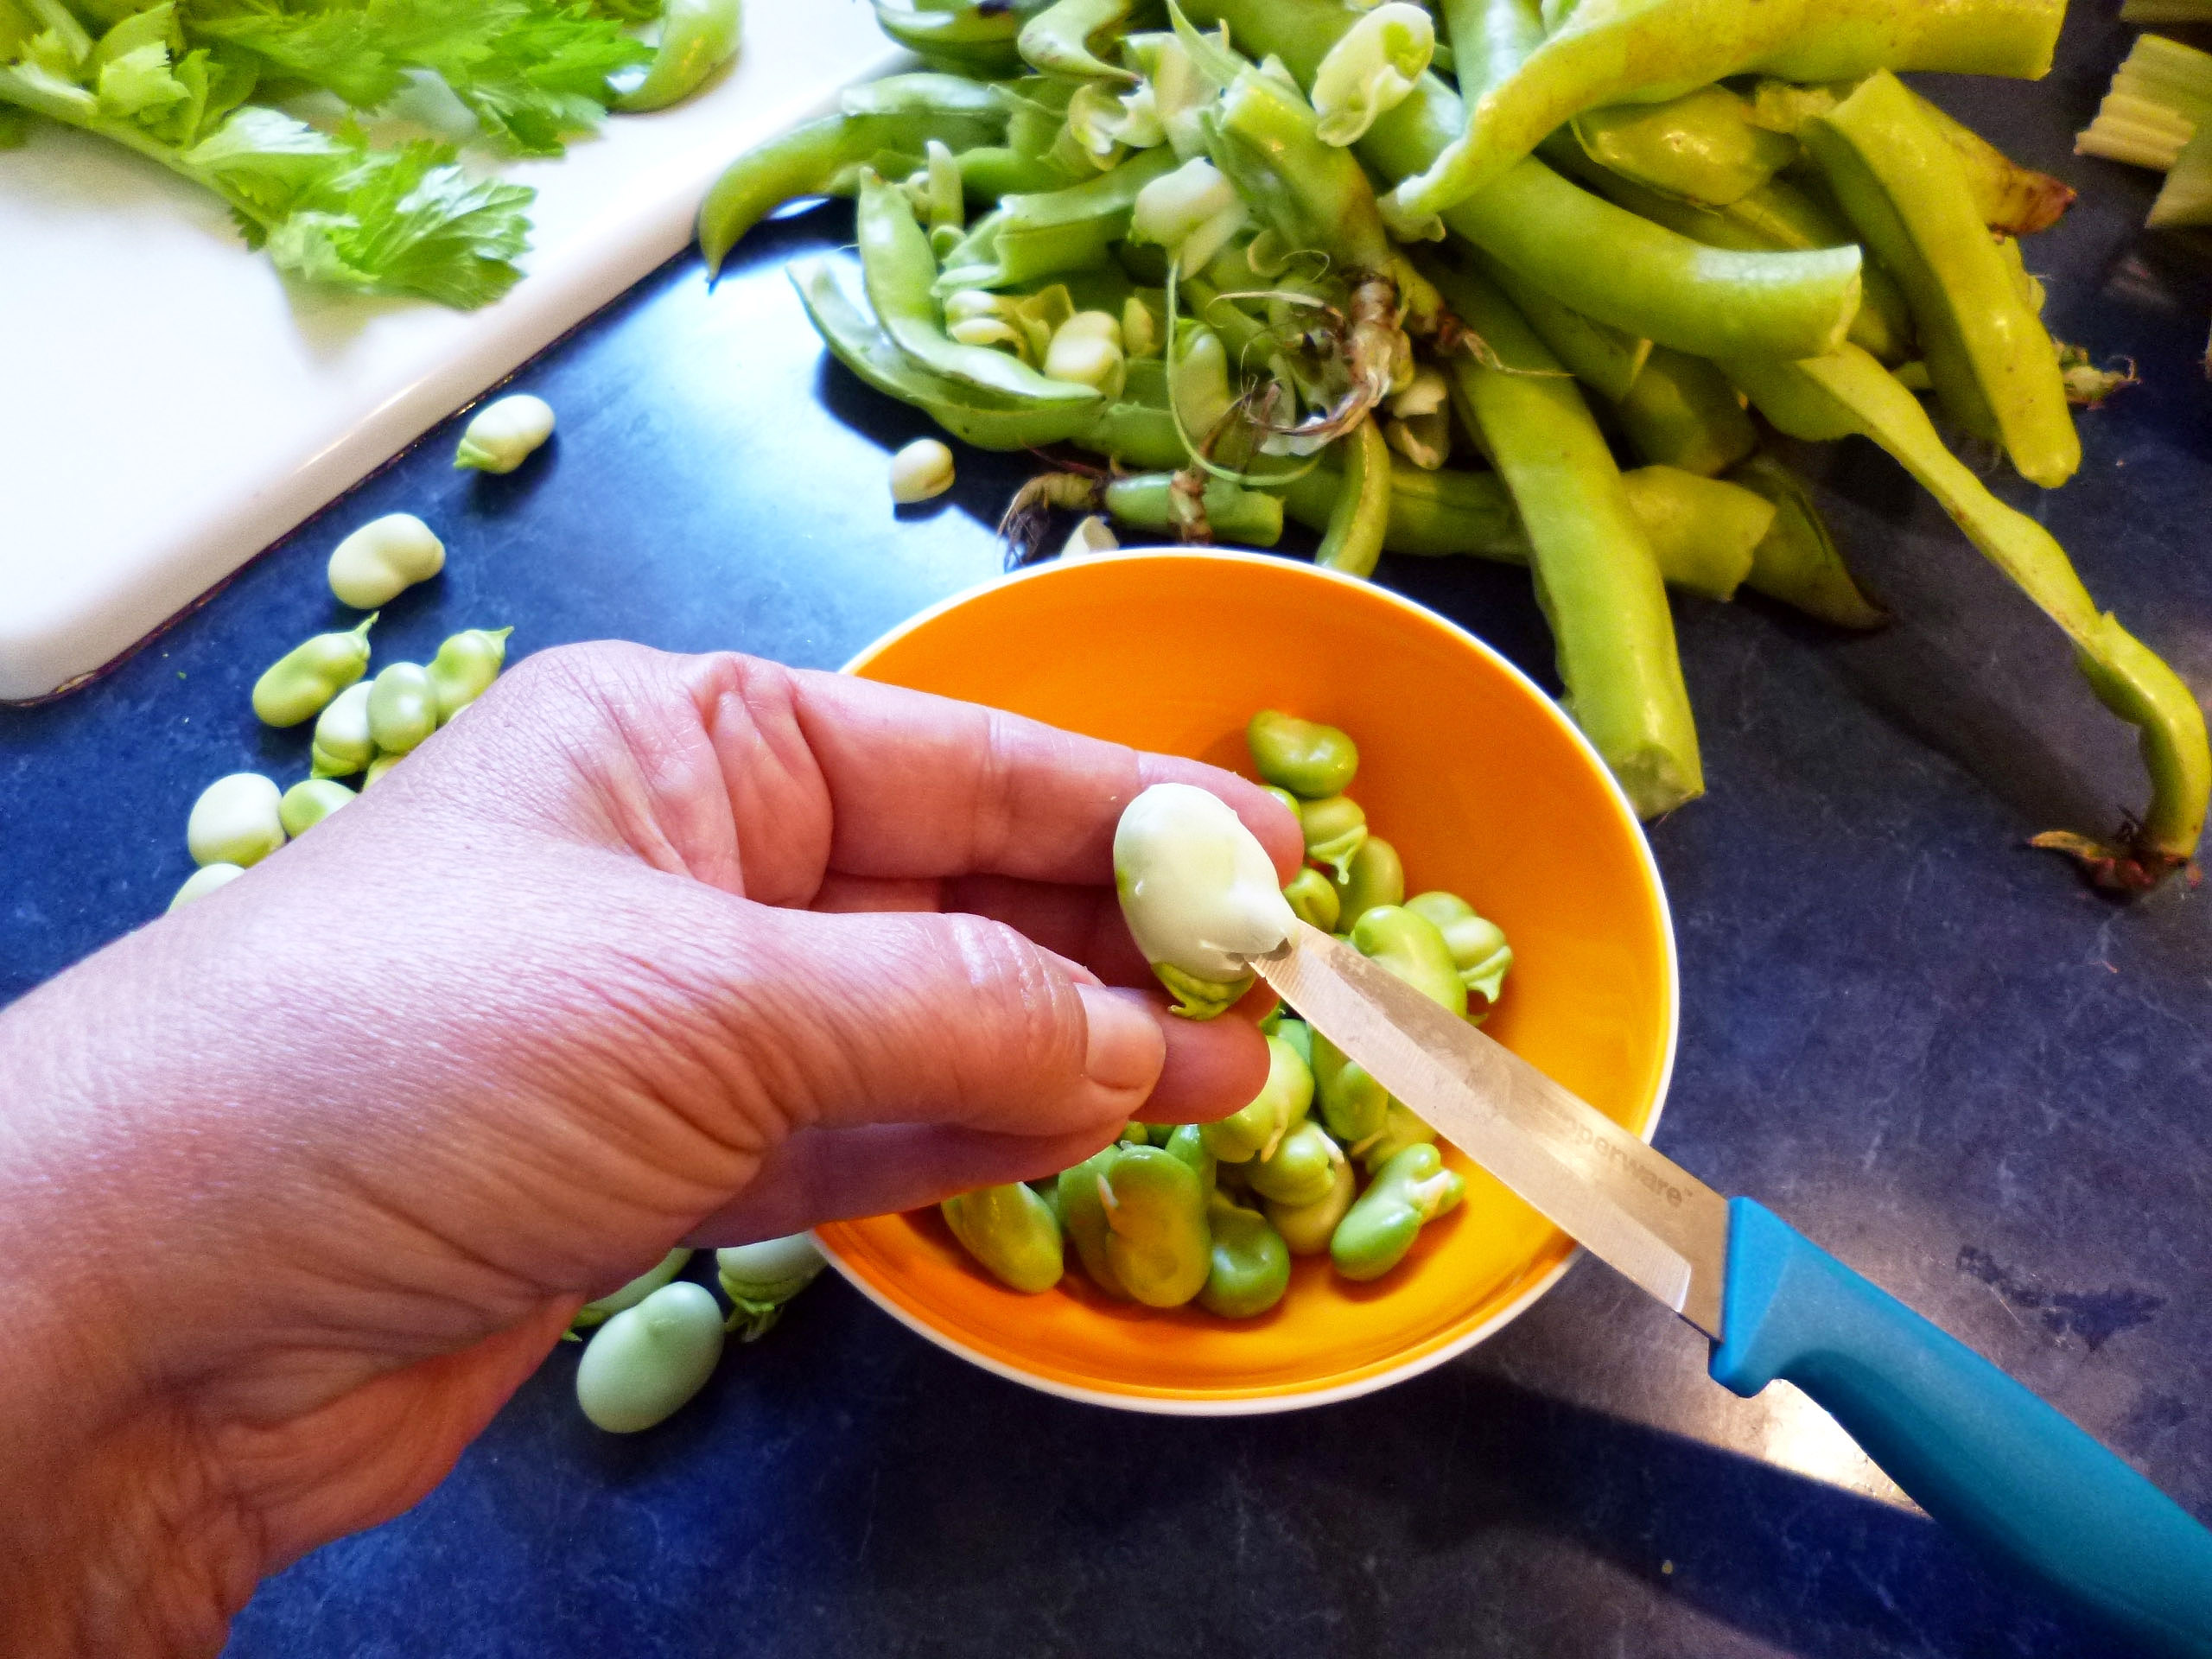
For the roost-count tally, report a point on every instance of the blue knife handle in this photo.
(1974, 1449)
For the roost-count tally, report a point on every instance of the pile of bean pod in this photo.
(362, 727)
(1537, 291)
(1212, 1213)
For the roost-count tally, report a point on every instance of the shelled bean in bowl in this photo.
(1486, 789)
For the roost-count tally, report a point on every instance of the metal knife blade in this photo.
(1634, 1210)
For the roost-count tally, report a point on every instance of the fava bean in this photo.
(1254, 1130)
(1412, 947)
(1479, 948)
(1375, 877)
(308, 801)
(1402, 1128)
(1305, 1229)
(1301, 1169)
(383, 559)
(1248, 1265)
(920, 471)
(301, 683)
(504, 433)
(377, 767)
(1296, 1033)
(1311, 760)
(1313, 899)
(605, 1308)
(237, 820)
(1156, 1237)
(1407, 1193)
(645, 1362)
(1010, 1231)
(402, 707)
(1353, 1104)
(1188, 1143)
(761, 1277)
(1199, 895)
(342, 744)
(465, 667)
(204, 880)
(1335, 830)
(1083, 1218)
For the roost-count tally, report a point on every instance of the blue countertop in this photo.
(1935, 1051)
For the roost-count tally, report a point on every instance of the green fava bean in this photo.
(1336, 828)
(1301, 1169)
(1156, 1222)
(309, 802)
(1402, 1128)
(1309, 759)
(1248, 1265)
(204, 880)
(1010, 1230)
(465, 667)
(598, 1312)
(383, 559)
(1308, 1227)
(300, 684)
(1410, 946)
(1375, 877)
(504, 433)
(1353, 1105)
(342, 744)
(1282, 1101)
(379, 766)
(1407, 1193)
(1049, 1189)
(647, 1361)
(237, 820)
(1312, 898)
(402, 707)
(1285, 797)
(1188, 1143)
(1083, 1218)
(1296, 1033)
(761, 1277)
(1477, 945)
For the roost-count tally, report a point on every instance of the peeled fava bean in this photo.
(1353, 1105)
(300, 684)
(1254, 1130)
(237, 820)
(342, 744)
(1199, 895)
(377, 767)
(1083, 1218)
(504, 433)
(1305, 1229)
(1335, 829)
(1312, 898)
(383, 559)
(1410, 946)
(1248, 1265)
(1477, 945)
(1301, 1168)
(1374, 877)
(605, 1308)
(1156, 1237)
(1010, 1231)
(648, 1361)
(1188, 1143)
(1309, 759)
(761, 1278)
(922, 469)
(402, 709)
(308, 801)
(1406, 1194)
(1402, 1127)
(204, 880)
(465, 667)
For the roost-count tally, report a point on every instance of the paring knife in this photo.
(1974, 1449)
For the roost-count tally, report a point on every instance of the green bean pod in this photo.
(1702, 145)
(1310, 760)
(1682, 412)
(605, 1308)
(1057, 41)
(402, 707)
(1797, 561)
(647, 1361)
(1266, 139)
(1359, 524)
(1705, 533)
(1407, 1193)
(465, 667)
(300, 684)
(1849, 392)
(978, 38)
(697, 38)
(1994, 367)
(1156, 1237)
(1229, 514)
(1305, 1229)
(1247, 1266)
(1602, 358)
(1011, 1231)
(1597, 577)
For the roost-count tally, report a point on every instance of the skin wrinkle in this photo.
(375, 1118)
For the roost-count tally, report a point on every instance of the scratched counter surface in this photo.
(1932, 1050)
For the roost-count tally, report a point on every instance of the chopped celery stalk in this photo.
(2159, 96)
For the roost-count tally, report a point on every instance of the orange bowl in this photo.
(1485, 787)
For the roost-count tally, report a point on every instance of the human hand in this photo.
(643, 949)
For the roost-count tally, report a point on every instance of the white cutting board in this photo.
(169, 405)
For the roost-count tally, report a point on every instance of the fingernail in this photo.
(1124, 1049)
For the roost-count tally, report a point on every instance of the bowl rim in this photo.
(1291, 1398)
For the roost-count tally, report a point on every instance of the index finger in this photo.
(926, 786)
